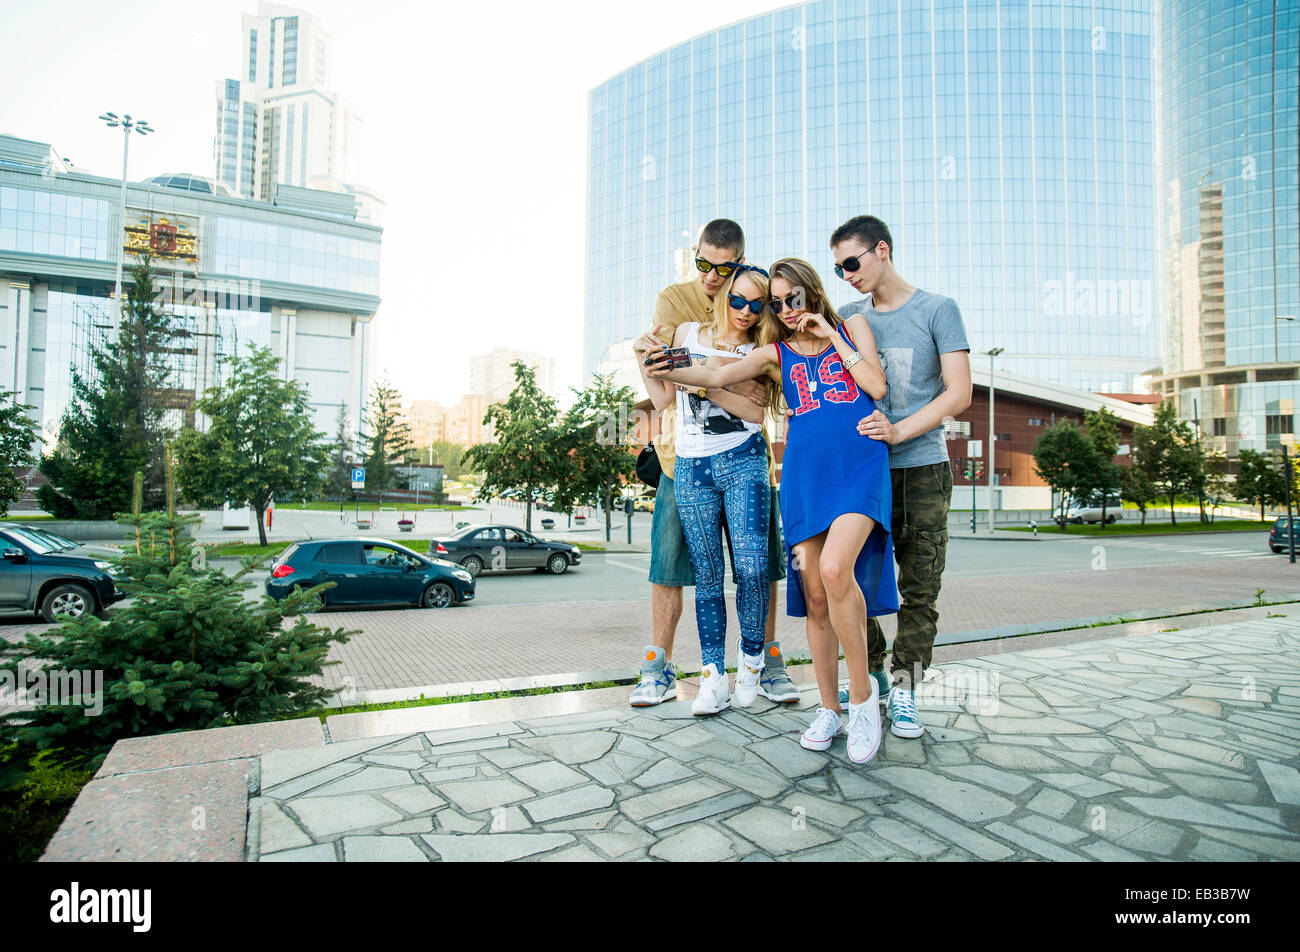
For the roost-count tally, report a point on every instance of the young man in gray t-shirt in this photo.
(926, 358)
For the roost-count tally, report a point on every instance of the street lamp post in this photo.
(141, 128)
(990, 354)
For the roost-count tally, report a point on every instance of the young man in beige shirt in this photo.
(721, 248)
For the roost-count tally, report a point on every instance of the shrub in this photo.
(187, 653)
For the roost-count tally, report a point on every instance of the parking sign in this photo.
(358, 477)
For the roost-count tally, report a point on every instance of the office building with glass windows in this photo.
(299, 275)
(1006, 143)
(1230, 217)
(279, 121)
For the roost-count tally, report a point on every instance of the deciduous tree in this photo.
(530, 454)
(260, 440)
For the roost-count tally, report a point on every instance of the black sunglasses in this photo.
(793, 301)
(850, 264)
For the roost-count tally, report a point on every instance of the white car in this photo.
(1089, 511)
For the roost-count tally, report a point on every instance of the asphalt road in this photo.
(622, 576)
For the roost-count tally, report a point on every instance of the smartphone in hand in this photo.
(677, 358)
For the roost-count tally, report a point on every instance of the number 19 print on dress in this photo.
(830, 469)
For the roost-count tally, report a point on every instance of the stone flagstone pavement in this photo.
(1179, 745)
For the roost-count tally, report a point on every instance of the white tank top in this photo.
(703, 427)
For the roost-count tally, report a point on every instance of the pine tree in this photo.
(338, 481)
(389, 439)
(185, 653)
(116, 425)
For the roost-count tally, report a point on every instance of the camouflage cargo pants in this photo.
(920, 526)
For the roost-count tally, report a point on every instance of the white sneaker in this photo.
(864, 727)
(748, 671)
(825, 726)
(714, 695)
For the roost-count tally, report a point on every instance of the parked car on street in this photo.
(54, 577)
(644, 502)
(368, 572)
(480, 547)
(1078, 511)
(1278, 540)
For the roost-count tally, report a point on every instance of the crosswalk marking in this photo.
(625, 565)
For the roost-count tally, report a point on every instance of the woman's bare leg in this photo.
(822, 642)
(845, 605)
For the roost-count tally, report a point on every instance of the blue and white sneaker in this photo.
(903, 719)
(883, 685)
(658, 679)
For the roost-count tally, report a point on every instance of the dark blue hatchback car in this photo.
(368, 572)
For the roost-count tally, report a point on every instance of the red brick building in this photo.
(1023, 409)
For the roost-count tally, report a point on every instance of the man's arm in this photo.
(955, 368)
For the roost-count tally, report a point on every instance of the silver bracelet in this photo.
(851, 360)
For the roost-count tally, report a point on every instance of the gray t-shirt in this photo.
(910, 340)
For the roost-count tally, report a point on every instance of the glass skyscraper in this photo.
(1007, 144)
(1229, 123)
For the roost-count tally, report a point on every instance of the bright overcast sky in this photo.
(476, 135)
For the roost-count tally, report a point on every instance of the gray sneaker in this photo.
(658, 679)
(774, 683)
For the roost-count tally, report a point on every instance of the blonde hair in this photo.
(716, 325)
(766, 330)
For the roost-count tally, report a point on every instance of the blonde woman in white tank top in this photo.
(722, 465)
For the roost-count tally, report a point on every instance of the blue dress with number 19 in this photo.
(830, 469)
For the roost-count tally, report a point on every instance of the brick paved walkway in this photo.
(481, 646)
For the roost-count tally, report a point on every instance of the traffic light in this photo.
(979, 468)
(968, 473)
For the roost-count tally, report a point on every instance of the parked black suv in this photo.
(52, 576)
(1278, 540)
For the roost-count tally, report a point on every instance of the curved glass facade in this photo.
(1006, 143)
(1229, 141)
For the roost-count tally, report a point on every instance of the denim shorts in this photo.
(670, 560)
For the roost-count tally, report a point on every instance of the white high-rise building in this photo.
(493, 375)
(281, 122)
